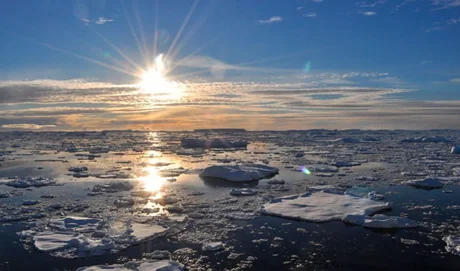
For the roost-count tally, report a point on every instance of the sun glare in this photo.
(154, 81)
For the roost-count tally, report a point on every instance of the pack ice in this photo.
(239, 173)
(164, 265)
(429, 183)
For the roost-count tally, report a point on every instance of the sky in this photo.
(258, 65)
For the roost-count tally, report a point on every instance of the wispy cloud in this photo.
(274, 19)
(316, 1)
(310, 14)
(434, 29)
(446, 4)
(368, 13)
(455, 80)
(100, 20)
(370, 4)
(27, 126)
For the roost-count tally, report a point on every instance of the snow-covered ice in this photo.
(239, 173)
(75, 223)
(214, 246)
(322, 206)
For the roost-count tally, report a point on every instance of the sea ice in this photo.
(275, 181)
(379, 221)
(213, 143)
(4, 194)
(78, 169)
(75, 223)
(24, 182)
(321, 206)
(239, 173)
(452, 244)
(429, 183)
(243, 192)
(214, 246)
(113, 187)
(51, 241)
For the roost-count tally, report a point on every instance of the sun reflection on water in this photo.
(152, 180)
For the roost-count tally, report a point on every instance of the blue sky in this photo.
(400, 56)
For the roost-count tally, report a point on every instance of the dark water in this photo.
(317, 246)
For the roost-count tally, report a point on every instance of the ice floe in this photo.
(379, 221)
(452, 244)
(239, 173)
(214, 246)
(213, 143)
(24, 182)
(243, 192)
(113, 187)
(429, 183)
(322, 206)
(144, 265)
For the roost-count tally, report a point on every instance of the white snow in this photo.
(239, 173)
(379, 221)
(243, 192)
(425, 183)
(24, 182)
(321, 206)
(452, 244)
(214, 246)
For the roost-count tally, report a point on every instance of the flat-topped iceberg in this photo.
(322, 206)
(429, 183)
(239, 173)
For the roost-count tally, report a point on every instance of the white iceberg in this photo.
(452, 244)
(380, 221)
(429, 183)
(322, 207)
(239, 173)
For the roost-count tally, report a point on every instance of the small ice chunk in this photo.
(452, 244)
(214, 246)
(275, 181)
(380, 221)
(429, 183)
(455, 150)
(24, 182)
(164, 265)
(113, 187)
(345, 164)
(30, 202)
(409, 241)
(4, 194)
(243, 192)
(124, 203)
(78, 169)
(321, 206)
(373, 195)
(159, 255)
(239, 173)
(104, 268)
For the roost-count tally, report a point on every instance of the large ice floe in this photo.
(164, 265)
(452, 244)
(73, 237)
(322, 206)
(24, 182)
(428, 183)
(239, 173)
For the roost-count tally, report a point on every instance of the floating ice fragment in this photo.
(452, 244)
(379, 221)
(455, 150)
(24, 182)
(321, 206)
(429, 183)
(243, 192)
(214, 246)
(239, 173)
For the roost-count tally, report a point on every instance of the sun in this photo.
(154, 81)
